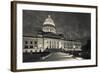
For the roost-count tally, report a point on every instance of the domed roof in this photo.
(49, 21)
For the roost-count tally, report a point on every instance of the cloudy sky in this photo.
(72, 25)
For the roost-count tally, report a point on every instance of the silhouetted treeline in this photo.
(86, 50)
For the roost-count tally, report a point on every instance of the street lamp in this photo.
(74, 51)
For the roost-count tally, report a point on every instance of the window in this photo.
(31, 42)
(26, 46)
(26, 42)
(31, 46)
(35, 43)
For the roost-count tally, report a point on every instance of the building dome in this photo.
(48, 25)
(49, 21)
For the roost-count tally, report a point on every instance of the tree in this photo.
(86, 50)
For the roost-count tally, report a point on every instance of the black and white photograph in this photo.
(47, 36)
(56, 36)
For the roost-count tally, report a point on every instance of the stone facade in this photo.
(48, 39)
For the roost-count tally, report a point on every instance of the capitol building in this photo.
(48, 38)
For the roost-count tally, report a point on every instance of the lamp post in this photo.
(74, 51)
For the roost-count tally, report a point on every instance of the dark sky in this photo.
(72, 25)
